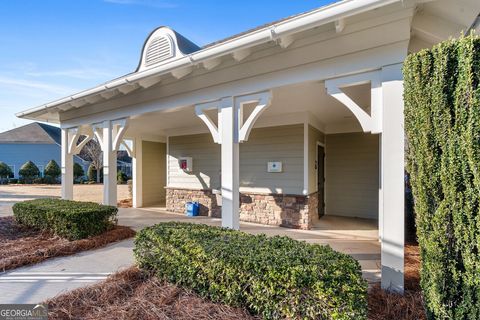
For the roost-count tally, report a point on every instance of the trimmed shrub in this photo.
(121, 177)
(52, 170)
(5, 171)
(68, 219)
(77, 171)
(29, 171)
(442, 122)
(274, 277)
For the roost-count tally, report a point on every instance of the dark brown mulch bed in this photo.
(20, 246)
(383, 305)
(133, 294)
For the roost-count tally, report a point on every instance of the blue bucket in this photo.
(192, 208)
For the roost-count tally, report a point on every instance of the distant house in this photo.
(37, 142)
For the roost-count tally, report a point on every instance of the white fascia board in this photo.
(367, 60)
(296, 24)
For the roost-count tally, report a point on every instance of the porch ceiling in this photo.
(306, 102)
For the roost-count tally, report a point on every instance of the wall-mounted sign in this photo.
(274, 166)
(186, 164)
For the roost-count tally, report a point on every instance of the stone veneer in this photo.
(292, 211)
(178, 197)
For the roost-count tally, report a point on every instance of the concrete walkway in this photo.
(36, 283)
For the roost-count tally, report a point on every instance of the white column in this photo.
(392, 178)
(137, 173)
(67, 168)
(109, 166)
(228, 130)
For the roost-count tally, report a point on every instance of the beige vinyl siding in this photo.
(352, 175)
(283, 143)
(314, 136)
(154, 172)
(206, 162)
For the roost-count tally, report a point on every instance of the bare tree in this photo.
(93, 152)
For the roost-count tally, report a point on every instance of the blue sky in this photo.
(53, 48)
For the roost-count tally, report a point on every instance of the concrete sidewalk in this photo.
(36, 283)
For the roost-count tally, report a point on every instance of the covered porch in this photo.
(289, 125)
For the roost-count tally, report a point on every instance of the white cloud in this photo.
(22, 84)
(83, 74)
(146, 3)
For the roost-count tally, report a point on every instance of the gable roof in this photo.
(37, 133)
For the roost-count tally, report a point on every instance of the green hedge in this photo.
(274, 277)
(442, 122)
(68, 219)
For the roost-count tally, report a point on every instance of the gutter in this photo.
(296, 24)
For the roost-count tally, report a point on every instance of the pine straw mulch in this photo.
(383, 305)
(133, 294)
(20, 246)
(125, 203)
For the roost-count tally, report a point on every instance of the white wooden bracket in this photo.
(74, 135)
(200, 112)
(369, 122)
(212, 63)
(129, 148)
(262, 101)
(148, 82)
(339, 25)
(180, 73)
(119, 127)
(110, 94)
(286, 41)
(241, 54)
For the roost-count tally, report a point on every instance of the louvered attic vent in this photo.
(159, 49)
(162, 45)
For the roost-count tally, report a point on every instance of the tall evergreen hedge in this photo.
(442, 123)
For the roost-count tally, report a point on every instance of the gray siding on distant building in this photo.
(16, 154)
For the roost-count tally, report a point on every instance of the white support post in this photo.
(109, 165)
(232, 130)
(230, 152)
(392, 180)
(137, 173)
(67, 167)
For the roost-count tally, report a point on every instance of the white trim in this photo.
(137, 173)
(368, 59)
(305, 159)
(167, 165)
(66, 167)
